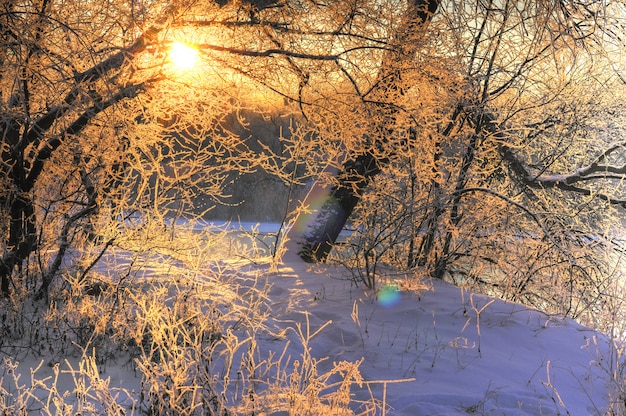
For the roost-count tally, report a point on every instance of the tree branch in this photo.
(568, 181)
(46, 151)
(280, 26)
(282, 52)
(96, 72)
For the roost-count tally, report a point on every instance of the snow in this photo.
(457, 352)
(426, 349)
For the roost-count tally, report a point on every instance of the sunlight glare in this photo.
(183, 56)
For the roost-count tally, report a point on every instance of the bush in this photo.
(186, 323)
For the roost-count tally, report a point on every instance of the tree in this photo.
(100, 132)
(497, 183)
(456, 90)
(322, 227)
(483, 76)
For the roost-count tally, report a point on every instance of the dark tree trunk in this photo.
(315, 232)
(441, 263)
(318, 230)
(22, 239)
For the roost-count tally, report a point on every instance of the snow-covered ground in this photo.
(426, 349)
(445, 351)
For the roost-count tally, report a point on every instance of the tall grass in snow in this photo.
(187, 323)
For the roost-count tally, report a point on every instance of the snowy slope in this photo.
(456, 352)
(431, 350)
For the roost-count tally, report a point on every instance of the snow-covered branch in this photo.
(572, 181)
(76, 127)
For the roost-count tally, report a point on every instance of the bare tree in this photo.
(100, 131)
(500, 50)
(512, 168)
(469, 95)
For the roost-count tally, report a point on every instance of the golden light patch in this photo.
(183, 56)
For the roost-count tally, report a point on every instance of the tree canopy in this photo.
(476, 138)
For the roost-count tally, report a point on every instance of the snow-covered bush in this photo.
(186, 321)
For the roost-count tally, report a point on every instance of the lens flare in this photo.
(388, 295)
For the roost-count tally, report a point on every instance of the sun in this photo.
(183, 56)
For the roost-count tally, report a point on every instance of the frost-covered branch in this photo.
(572, 181)
(281, 52)
(79, 124)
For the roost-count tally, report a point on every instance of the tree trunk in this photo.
(315, 232)
(22, 239)
(441, 262)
